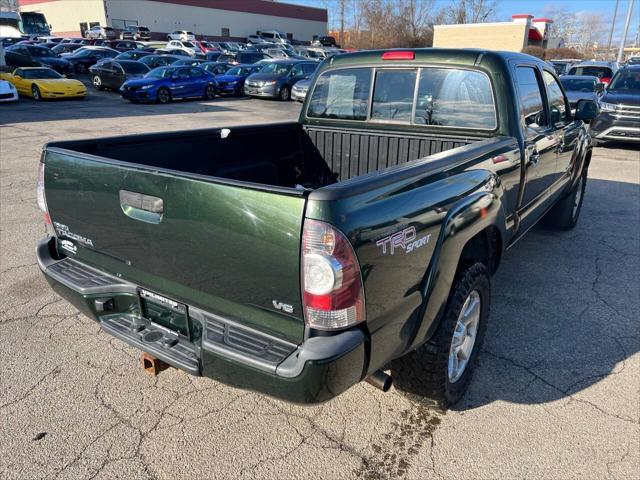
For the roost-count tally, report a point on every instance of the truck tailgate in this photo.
(223, 247)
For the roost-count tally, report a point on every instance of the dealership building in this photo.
(210, 19)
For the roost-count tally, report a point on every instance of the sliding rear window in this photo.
(444, 97)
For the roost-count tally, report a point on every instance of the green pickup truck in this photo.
(298, 259)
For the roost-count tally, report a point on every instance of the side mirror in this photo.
(586, 110)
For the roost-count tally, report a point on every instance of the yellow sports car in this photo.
(41, 82)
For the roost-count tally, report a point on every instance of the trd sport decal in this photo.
(404, 240)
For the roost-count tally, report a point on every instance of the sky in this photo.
(506, 8)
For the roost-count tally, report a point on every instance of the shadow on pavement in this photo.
(559, 320)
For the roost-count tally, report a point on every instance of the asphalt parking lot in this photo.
(555, 394)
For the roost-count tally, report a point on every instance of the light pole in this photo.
(613, 26)
(626, 29)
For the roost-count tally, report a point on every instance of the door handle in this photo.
(145, 208)
(533, 156)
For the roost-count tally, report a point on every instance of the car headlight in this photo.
(145, 87)
(232, 83)
(272, 82)
(607, 107)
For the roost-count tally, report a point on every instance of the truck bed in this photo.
(282, 155)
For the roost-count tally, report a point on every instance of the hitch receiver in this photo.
(152, 365)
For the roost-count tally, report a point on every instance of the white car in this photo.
(183, 35)
(8, 92)
(192, 48)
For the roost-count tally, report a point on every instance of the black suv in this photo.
(136, 32)
(619, 117)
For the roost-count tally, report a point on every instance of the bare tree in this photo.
(470, 11)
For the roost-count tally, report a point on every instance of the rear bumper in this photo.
(315, 371)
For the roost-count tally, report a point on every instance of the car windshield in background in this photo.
(240, 71)
(626, 81)
(160, 72)
(578, 84)
(188, 44)
(600, 72)
(276, 68)
(134, 67)
(446, 97)
(39, 74)
(226, 57)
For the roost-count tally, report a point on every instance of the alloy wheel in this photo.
(464, 336)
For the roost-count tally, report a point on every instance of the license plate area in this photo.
(165, 312)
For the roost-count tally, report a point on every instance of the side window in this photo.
(195, 73)
(309, 68)
(557, 101)
(182, 74)
(393, 95)
(107, 65)
(297, 70)
(530, 98)
(341, 94)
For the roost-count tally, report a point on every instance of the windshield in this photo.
(276, 68)
(600, 72)
(40, 52)
(626, 80)
(188, 44)
(225, 57)
(160, 72)
(134, 67)
(39, 73)
(11, 22)
(578, 84)
(240, 71)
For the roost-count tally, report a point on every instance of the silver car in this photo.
(299, 90)
(101, 32)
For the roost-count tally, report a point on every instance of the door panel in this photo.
(541, 144)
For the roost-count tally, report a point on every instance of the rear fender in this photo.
(471, 216)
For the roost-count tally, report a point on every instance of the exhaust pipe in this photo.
(380, 379)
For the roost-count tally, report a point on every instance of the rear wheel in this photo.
(97, 82)
(210, 92)
(285, 93)
(564, 214)
(164, 95)
(35, 93)
(441, 368)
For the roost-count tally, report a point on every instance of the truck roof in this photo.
(458, 56)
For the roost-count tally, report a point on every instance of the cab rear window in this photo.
(429, 96)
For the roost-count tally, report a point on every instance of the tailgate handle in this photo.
(139, 206)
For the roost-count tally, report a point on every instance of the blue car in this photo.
(164, 84)
(232, 81)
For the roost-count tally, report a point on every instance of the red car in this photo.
(204, 46)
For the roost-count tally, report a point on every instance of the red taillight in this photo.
(41, 198)
(605, 79)
(398, 55)
(333, 296)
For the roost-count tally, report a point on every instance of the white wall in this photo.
(166, 17)
(65, 15)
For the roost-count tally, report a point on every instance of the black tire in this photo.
(424, 372)
(285, 94)
(164, 95)
(564, 215)
(210, 92)
(35, 93)
(97, 82)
